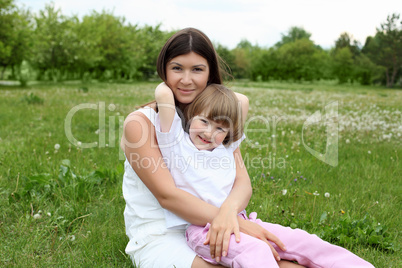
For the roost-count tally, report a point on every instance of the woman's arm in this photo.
(139, 142)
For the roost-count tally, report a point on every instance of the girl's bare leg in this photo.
(288, 264)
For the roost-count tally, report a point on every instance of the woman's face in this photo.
(187, 75)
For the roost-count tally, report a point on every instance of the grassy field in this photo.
(61, 168)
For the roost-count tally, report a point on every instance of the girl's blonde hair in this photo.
(219, 104)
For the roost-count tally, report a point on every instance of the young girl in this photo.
(215, 130)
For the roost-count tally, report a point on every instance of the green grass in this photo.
(81, 203)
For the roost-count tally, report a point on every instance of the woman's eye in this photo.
(176, 68)
(198, 69)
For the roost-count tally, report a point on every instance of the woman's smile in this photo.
(187, 76)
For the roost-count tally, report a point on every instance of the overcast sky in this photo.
(259, 21)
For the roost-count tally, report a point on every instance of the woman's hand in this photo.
(255, 230)
(222, 227)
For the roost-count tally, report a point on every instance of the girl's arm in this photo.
(165, 100)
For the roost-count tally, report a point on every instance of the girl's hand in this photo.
(255, 230)
(222, 227)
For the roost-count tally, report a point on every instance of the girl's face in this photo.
(206, 134)
(187, 75)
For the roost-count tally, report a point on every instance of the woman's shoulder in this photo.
(149, 109)
(242, 98)
(146, 114)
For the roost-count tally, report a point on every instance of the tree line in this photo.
(102, 46)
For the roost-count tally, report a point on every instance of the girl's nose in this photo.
(208, 132)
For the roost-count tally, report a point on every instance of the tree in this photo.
(300, 60)
(294, 33)
(228, 59)
(243, 58)
(346, 40)
(52, 46)
(343, 64)
(385, 49)
(15, 37)
(359, 67)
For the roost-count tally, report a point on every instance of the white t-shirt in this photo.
(208, 175)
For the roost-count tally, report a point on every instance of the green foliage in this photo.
(67, 190)
(102, 46)
(298, 60)
(385, 48)
(343, 64)
(15, 39)
(31, 98)
(294, 34)
(366, 231)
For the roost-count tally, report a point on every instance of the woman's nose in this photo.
(186, 78)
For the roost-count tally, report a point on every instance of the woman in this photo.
(187, 64)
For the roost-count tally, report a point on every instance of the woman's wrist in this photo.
(228, 207)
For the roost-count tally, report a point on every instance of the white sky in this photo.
(259, 21)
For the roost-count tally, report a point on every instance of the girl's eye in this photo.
(204, 121)
(198, 69)
(176, 68)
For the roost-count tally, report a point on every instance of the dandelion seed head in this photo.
(327, 195)
(57, 146)
(284, 191)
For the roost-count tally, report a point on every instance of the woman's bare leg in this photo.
(200, 263)
(288, 264)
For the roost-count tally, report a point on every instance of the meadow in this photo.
(333, 172)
